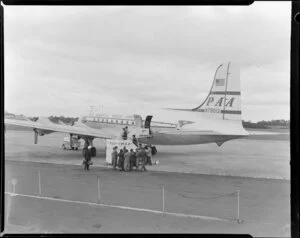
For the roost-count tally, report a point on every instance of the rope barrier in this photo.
(215, 197)
(124, 207)
(95, 181)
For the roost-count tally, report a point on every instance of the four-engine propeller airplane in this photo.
(216, 120)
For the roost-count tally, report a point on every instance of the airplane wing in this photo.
(83, 131)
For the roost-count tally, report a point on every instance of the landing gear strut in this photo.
(36, 134)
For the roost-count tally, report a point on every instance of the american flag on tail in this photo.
(220, 82)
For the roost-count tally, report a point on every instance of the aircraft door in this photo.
(148, 122)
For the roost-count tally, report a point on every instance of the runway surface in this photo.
(260, 156)
(264, 203)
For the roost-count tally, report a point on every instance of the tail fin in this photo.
(224, 98)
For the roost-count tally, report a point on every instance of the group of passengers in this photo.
(127, 160)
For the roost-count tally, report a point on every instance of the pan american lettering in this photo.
(219, 103)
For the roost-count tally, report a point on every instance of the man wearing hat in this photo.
(87, 157)
(125, 133)
(114, 156)
(134, 140)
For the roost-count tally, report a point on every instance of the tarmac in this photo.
(54, 194)
(259, 156)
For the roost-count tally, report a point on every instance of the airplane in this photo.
(216, 120)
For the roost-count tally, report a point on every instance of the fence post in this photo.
(14, 182)
(238, 206)
(99, 190)
(40, 187)
(163, 195)
(8, 210)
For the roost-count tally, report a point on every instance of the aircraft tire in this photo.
(94, 151)
(153, 150)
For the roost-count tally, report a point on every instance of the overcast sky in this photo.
(61, 60)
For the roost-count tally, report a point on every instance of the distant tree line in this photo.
(267, 124)
(66, 120)
(56, 119)
(33, 118)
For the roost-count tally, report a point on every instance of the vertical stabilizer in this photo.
(224, 98)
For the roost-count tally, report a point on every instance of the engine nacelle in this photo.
(39, 132)
(43, 132)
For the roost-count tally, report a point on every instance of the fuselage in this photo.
(202, 130)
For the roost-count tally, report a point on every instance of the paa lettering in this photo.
(230, 102)
(219, 103)
(210, 100)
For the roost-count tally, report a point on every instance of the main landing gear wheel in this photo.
(94, 151)
(153, 150)
(63, 147)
